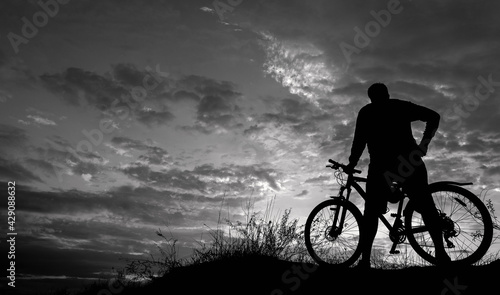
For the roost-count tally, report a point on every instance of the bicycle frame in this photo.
(403, 224)
(352, 181)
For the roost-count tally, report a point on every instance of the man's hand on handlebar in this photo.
(349, 169)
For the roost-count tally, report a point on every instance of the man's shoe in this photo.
(363, 264)
(442, 259)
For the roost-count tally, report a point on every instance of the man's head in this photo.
(378, 92)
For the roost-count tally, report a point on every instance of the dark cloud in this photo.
(213, 105)
(152, 118)
(468, 155)
(232, 178)
(78, 215)
(128, 74)
(491, 171)
(216, 111)
(16, 74)
(168, 205)
(79, 87)
(173, 178)
(12, 136)
(294, 122)
(3, 58)
(485, 117)
(116, 95)
(46, 167)
(204, 86)
(130, 143)
(153, 154)
(126, 204)
(300, 116)
(182, 95)
(253, 130)
(92, 248)
(218, 106)
(319, 179)
(12, 170)
(355, 90)
(436, 42)
(59, 156)
(302, 194)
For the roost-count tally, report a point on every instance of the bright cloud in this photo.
(299, 66)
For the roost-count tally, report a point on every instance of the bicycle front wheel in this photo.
(465, 222)
(334, 240)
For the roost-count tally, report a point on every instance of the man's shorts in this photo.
(412, 176)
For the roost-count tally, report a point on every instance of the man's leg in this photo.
(432, 222)
(370, 227)
(375, 204)
(418, 188)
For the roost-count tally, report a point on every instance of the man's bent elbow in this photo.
(437, 116)
(435, 119)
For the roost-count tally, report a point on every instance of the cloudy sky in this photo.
(121, 117)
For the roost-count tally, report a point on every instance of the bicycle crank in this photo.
(397, 235)
(450, 230)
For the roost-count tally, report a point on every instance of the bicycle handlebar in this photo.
(336, 165)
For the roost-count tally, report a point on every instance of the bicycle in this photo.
(333, 228)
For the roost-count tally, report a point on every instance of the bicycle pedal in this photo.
(394, 215)
(394, 252)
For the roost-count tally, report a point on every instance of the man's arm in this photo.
(431, 118)
(359, 141)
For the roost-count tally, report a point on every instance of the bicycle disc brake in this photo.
(332, 233)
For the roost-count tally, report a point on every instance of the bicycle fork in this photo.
(335, 230)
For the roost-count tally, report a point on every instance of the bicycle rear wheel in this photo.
(329, 243)
(466, 225)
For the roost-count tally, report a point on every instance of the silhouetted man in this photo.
(384, 126)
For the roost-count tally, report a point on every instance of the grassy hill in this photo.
(266, 275)
(264, 256)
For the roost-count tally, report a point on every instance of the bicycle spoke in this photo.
(466, 225)
(333, 243)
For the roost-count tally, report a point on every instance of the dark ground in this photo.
(264, 275)
(270, 276)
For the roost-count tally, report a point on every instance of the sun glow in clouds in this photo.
(299, 66)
